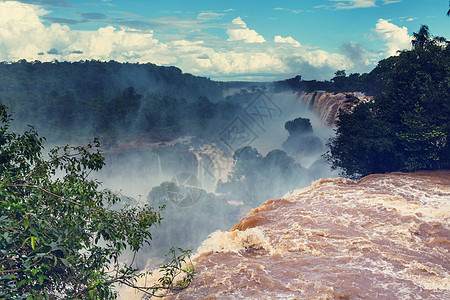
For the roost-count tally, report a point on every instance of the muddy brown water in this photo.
(383, 237)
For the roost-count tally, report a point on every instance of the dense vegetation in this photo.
(301, 138)
(339, 83)
(407, 125)
(67, 101)
(159, 118)
(57, 238)
(255, 178)
(89, 80)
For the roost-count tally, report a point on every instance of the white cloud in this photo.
(407, 19)
(286, 40)
(357, 54)
(295, 11)
(240, 32)
(24, 35)
(395, 37)
(209, 16)
(19, 26)
(349, 4)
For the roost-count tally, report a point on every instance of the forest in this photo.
(68, 101)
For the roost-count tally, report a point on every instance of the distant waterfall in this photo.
(159, 167)
(327, 105)
(200, 169)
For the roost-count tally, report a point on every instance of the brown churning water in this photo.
(383, 237)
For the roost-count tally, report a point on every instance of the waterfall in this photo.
(212, 165)
(200, 169)
(159, 167)
(327, 105)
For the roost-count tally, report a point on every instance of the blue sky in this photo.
(223, 40)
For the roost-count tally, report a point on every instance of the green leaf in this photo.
(26, 223)
(21, 283)
(65, 262)
(33, 242)
(24, 241)
(33, 231)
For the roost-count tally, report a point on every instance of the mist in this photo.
(203, 153)
(196, 176)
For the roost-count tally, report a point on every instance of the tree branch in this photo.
(49, 193)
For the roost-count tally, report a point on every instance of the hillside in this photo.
(96, 79)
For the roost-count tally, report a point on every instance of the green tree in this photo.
(340, 80)
(422, 140)
(57, 239)
(363, 144)
(243, 180)
(298, 126)
(423, 39)
(255, 178)
(407, 125)
(301, 138)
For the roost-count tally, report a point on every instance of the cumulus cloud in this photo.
(24, 34)
(19, 29)
(357, 54)
(286, 40)
(240, 32)
(395, 37)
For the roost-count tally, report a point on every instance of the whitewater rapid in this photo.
(383, 237)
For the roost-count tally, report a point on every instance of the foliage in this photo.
(422, 139)
(423, 39)
(301, 138)
(255, 178)
(93, 79)
(57, 239)
(407, 126)
(364, 144)
(68, 100)
(339, 83)
(298, 126)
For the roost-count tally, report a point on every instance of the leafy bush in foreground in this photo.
(57, 239)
